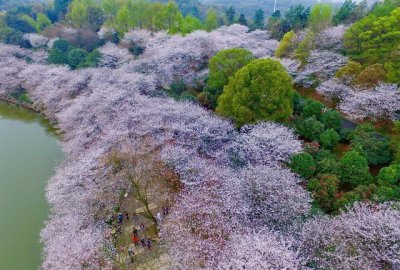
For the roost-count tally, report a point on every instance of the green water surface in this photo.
(28, 155)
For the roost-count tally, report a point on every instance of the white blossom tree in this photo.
(36, 40)
(261, 250)
(365, 237)
(382, 102)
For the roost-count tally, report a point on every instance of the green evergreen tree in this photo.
(260, 91)
(354, 170)
(259, 20)
(230, 15)
(242, 20)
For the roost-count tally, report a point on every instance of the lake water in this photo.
(28, 155)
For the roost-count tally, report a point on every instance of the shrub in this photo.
(374, 147)
(327, 162)
(331, 119)
(303, 164)
(284, 46)
(313, 108)
(346, 134)
(298, 103)
(354, 170)
(309, 128)
(76, 57)
(62, 45)
(387, 193)
(14, 37)
(176, 89)
(262, 90)
(389, 175)
(93, 59)
(329, 138)
(324, 189)
(371, 76)
(393, 72)
(360, 193)
(57, 57)
(306, 45)
(349, 71)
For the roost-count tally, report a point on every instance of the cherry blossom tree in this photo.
(198, 228)
(321, 66)
(331, 38)
(365, 237)
(261, 250)
(266, 144)
(113, 56)
(382, 102)
(36, 40)
(274, 198)
(334, 89)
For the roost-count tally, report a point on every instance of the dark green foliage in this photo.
(374, 147)
(76, 57)
(259, 20)
(346, 13)
(222, 67)
(62, 45)
(188, 96)
(230, 15)
(389, 183)
(388, 193)
(61, 6)
(313, 108)
(297, 16)
(57, 57)
(298, 103)
(331, 119)
(395, 142)
(136, 50)
(389, 175)
(12, 36)
(329, 138)
(309, 128)
(327, 162)
(360, 193)
(303, 164)
(346, 134)
(17, 23)
(22, 96)
(324, 189)
(260, 91)
(354, 170)
(242, 20)
(177, 88)
(92, 60)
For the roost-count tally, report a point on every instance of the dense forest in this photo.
(273, 139)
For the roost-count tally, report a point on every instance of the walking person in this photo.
(120, 218)
(143, 242)
(159, 217)
(135, 239)
(149, 245)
